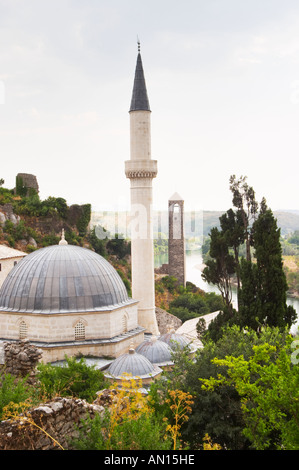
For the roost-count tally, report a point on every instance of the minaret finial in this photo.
(63, 240)
(138, 42)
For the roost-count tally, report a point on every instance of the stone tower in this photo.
(176, 239)
(141, 170)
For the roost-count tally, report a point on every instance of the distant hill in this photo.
(288, 221)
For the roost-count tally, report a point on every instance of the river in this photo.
(194, 265)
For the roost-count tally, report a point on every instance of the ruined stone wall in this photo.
(21, 359)
(39, 428)
(29, 181)
(47, 425)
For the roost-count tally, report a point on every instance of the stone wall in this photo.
(46, 425)
(164, 269)
(21, 359)
(39, 428)
(29, 181)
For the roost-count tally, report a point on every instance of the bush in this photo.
(183, 313)
(190, 305)
(75, 378)
(128, 423)
(119, 246)
(97, 243)
(171, 283)
(13, 390)
(143, 433)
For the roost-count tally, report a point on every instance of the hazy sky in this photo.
(223, 84)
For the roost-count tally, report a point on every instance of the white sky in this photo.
(223, 84)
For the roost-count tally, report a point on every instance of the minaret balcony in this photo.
(141, 168)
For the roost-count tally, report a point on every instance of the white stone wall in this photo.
(6, 267)
(140, 135)
(110, 349)
(61, 327)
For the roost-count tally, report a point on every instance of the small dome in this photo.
(133, 364)
(157, 352)
(174, 339)
(62, 278)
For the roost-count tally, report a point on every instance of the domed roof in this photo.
(133, 364)
(173, 339)
(157, 352)
(62, 278)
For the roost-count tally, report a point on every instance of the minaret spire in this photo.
(140, 101)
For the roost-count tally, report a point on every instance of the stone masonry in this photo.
(29, 181)
(21, 359)
(42, 427)
(47, 425)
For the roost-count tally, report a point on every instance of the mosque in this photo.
(68, 300)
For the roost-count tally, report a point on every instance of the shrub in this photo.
(75, 378)
(128, 424)
(13, 390)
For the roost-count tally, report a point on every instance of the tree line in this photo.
(258, 271)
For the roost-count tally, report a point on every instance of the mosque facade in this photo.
(68, 300)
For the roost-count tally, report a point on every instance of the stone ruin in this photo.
(49, 426)
(29, 181)
(56, 423)
(21, 359)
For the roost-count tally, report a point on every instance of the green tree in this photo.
(84, 219)
(268, 384)
(119, 246)
(218, 412)
(98, 244)
(261, 282)
(233, 230)
(266, 283)
(247, 207)
(221, 266)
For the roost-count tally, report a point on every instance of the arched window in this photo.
(23, 329)
(177, 229)
(79, 331)
(125, 322)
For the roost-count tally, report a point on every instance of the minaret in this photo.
(141, 170)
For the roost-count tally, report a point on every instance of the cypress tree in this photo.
(269, 285)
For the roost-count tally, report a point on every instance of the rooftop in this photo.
(6, 252)
(60, 279)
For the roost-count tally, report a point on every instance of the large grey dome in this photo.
(62, 278)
